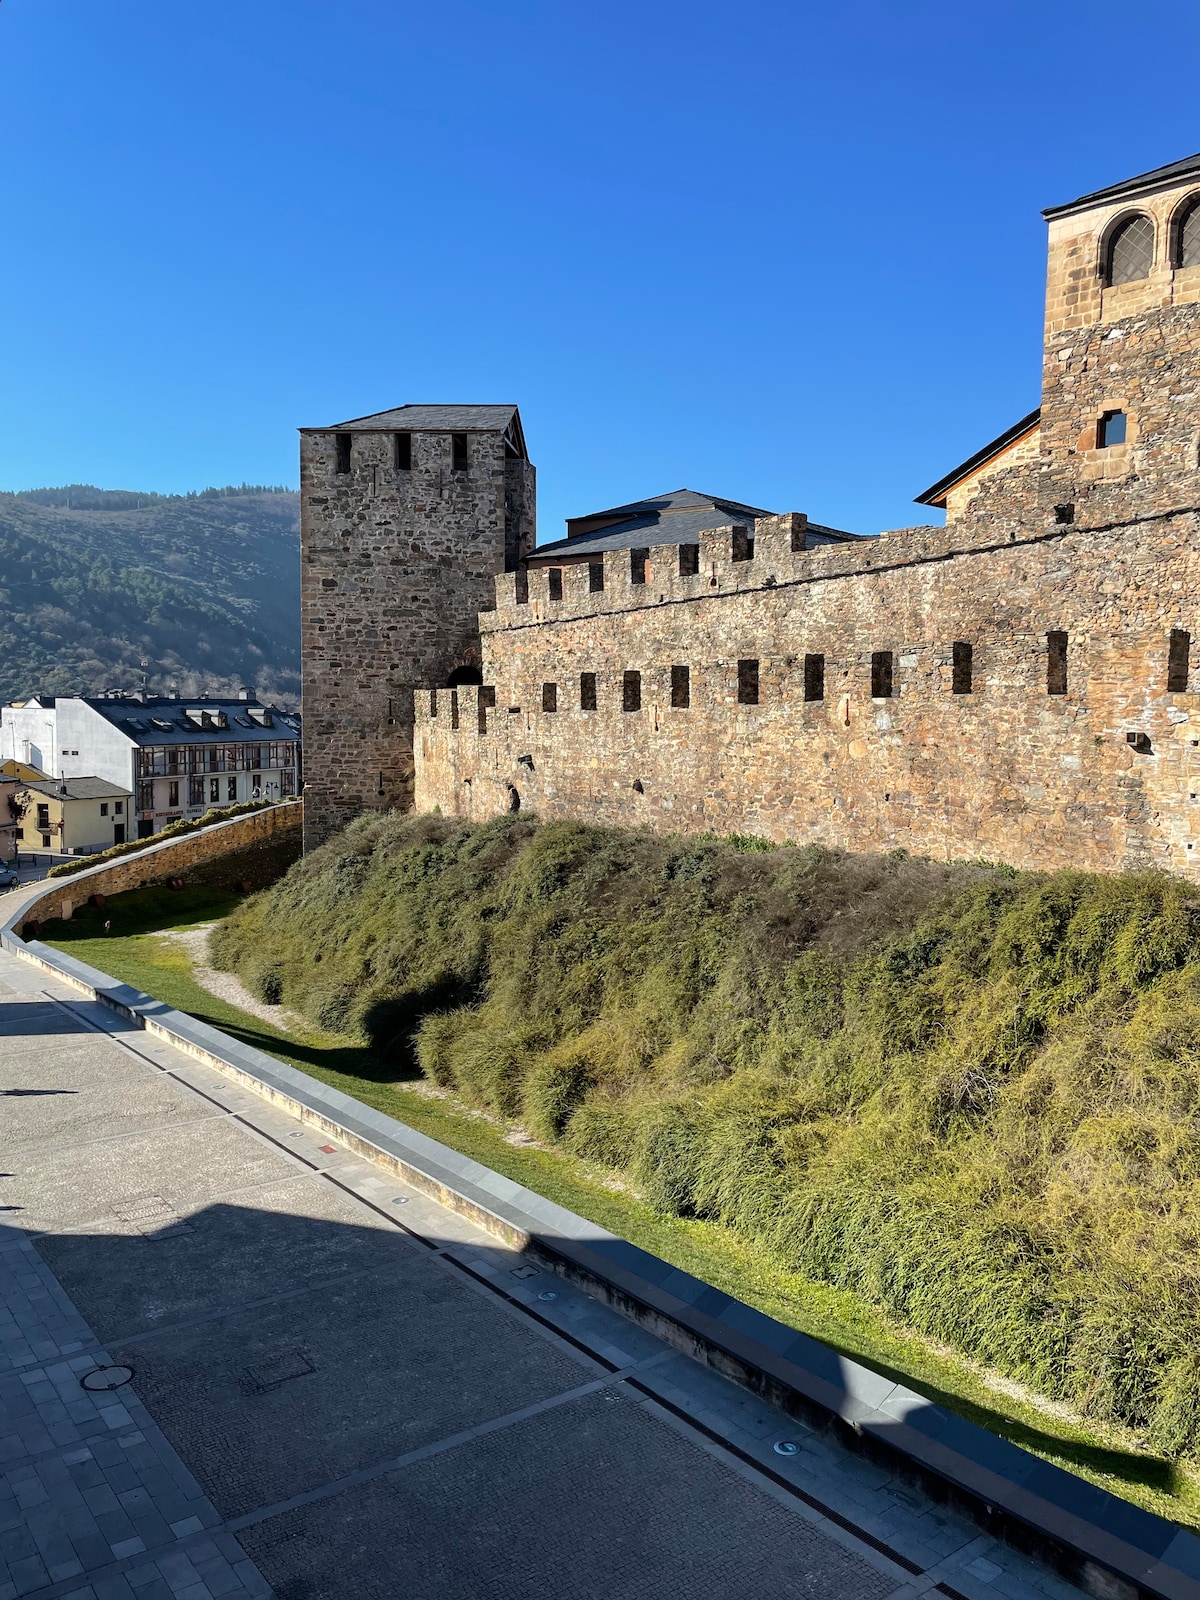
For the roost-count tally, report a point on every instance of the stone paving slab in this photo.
(89, 1486)
(342, 1388)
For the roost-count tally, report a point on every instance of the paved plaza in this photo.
(328, 1387)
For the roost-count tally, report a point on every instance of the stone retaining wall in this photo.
(190, 856)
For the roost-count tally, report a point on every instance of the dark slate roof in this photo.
(162, 719)
(427, 419)
(936, 494)
(77, 788)
(1144, 183)
(679, 517)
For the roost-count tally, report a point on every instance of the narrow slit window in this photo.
(521, 586)
(1179, 660)
(681, 687)
(403, 460)
(454, 708)
(587, 691)
(631, 692)
(882, 674)
(458, 452)
(962, 663)
(595, 577)
(742, 544)
(747, 683)
(342, 442)
(432, 703)
(1056, 662)
(689, 560)
(554, 580)
(549, 697)
(1110, 430)
(487, 699)
(637, 565)
(814, 677)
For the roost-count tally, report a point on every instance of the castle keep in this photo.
(405, 519)
(1021, 684)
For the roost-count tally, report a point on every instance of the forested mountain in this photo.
(102, 589)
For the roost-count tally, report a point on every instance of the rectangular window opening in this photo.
(814, 677)
(454, 708)
(637, 565)
(403, 461)
(458, 452)
(595, 577)
(521, 586)
(962, 657)
(487, 700)
(1056, 662)
(742, 544)
(587, 691)
(104, 808)
(681, 687)
(549, 697)
(432, 706)
(554, 582)
(1179, 656)
(342, 443)
(631, 692)
(1110, 430)
(747, 683)
(689, 560)
(882, 669)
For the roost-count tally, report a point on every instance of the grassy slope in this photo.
(844, 1319)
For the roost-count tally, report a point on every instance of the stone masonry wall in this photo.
(191, 857)
(395, 567)
(1060, 537)
(1007, 771)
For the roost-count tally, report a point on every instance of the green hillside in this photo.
(965, 1094)
(102, 588)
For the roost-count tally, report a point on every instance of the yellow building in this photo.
(21, 770)
(74, 816)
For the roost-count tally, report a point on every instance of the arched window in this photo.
(1131, 251)
(1187, 247)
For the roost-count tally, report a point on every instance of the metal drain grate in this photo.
(279, 1369)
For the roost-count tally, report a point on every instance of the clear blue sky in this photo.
(788, 253)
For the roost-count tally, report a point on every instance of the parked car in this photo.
(8, 878)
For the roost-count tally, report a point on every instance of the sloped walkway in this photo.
(339, 1390)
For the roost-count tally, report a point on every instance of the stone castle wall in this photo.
(395, 567)
(1063, 554)
(1006, 771)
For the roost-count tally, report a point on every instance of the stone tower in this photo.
(1117, 435)
(405, 519)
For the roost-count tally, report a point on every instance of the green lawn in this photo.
(133, 953)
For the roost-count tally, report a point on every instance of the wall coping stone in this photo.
(1089, 1533)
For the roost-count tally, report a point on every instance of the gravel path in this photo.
(224, 985)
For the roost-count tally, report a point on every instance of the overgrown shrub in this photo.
(970, 1094)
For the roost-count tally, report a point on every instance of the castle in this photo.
(1018, 685)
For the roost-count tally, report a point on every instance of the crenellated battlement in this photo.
(1020, 684)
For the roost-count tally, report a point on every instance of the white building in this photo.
(177, 757)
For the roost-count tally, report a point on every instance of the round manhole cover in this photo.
(787, 1447)
(547, 1294)
(106, 1378)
